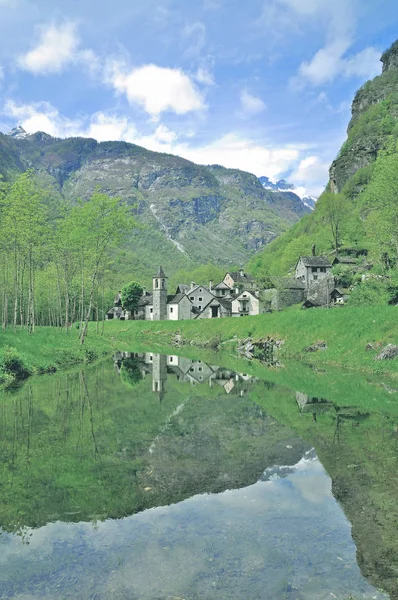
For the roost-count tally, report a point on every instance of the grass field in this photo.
(346, 332)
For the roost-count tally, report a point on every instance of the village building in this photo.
(239, 280)
(247, 304)
(200, 296)
(217, 308)
(312, 268)
(221, 290)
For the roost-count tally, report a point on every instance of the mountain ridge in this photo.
(190, 214)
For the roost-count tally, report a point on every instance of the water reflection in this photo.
(186, 370)
(85, 454)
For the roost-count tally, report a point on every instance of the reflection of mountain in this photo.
(359, 450)
(98, 443)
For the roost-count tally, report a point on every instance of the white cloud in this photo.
(205, 76)
(56, 49)
(237, 152)
(338, 20)
(330, 62)
(156, 89)
(194, 39)
(251, 105)
(311, 176)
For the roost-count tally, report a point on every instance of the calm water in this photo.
(159, 477)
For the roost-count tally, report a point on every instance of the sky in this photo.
(262, 85)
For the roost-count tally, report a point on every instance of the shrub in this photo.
(12, 363)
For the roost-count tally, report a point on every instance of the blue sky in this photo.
(262, 85)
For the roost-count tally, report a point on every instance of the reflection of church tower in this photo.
(160, 296)
(159, 374)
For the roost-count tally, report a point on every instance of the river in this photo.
(159, 477)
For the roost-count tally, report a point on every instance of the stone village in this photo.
(237, 295)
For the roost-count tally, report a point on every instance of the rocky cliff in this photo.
(190, 214)
(365, 173)
(374, 116)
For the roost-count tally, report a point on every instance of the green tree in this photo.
(332, 210)
(101, 224)
(131, 293)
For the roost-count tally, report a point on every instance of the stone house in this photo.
(239, 280)
(199, 295)
(217, 308)
(248, 303)
(221, 290)
(179, 308)
(312, 268)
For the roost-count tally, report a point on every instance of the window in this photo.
(314, 269)
(200, 299)
(244, 295)
(171, 359)
(171, 309)
(200, 291)
(315, 277)
(151, 358)
(199, 307)
(156, 283)
(192, 297)
(151, 310)
(323, 269)
(199, 368)
(223, 292)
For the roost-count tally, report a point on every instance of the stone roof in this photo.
(221, 286)
(145, 300)
(183, 288)
(160, 272)
(240, 277)
(345, 260)
(315, 261)
(175, 299)
(288, 283)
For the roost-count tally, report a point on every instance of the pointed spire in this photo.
(160, 272)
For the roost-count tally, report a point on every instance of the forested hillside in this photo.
(188, 214)
(358, 212)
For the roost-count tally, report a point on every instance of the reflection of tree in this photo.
(130, 372)
(83, 386)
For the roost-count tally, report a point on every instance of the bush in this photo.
(371, 292)
(12, 363)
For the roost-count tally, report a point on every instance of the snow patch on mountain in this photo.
(281, 185)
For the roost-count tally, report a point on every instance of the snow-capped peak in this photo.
(281, 185)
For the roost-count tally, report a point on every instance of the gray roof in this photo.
(288, 283)
(347, 260)
(183, 288)
(315, 261)
(145, 300)
(175, 299)
(160, 272)
(241, 278)
(221, 286)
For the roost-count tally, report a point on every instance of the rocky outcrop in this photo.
(367, 133)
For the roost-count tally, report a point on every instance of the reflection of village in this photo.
(186, 370)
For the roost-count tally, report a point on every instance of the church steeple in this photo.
(160, 295)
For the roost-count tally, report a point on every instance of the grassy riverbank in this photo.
(46, 350)
(346, 332)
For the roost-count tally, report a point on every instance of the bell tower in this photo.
(160, 296)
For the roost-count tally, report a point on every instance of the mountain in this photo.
(284, 186)
(358, 212)
(189, 214)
